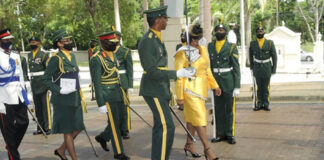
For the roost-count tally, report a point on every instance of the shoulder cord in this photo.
(11, 70)
(61, 68)
(108, 70)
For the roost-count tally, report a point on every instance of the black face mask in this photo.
(110, 46)
(260, 35)
(92, 46)
(6, 45)
(68, 46)
(183, 40)
(220, 36)
(33, 47)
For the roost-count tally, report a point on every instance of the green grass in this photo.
(308, 46)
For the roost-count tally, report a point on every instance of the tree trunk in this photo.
(117, 18)
(205, 19)
(248, 36)
(145, 7)
(1, 19)
(308, 26)
(91, 6)
(161, 2)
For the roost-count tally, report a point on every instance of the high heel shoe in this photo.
(58, 154)
(205, 152)
(195, 155)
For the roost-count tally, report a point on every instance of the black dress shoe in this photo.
(58, 154)
(37, 132)
(257, 108)
(231, 140)
(102, 143)
(126, 135)
(266, 108)
(121, 156)
(218, 139)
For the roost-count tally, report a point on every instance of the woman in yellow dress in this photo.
(192, 93)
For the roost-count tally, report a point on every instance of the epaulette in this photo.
(95, 55)
(54, 54)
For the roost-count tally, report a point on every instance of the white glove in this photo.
(2, 108)
(103, 109)
(184, 72)
(236, 92)
(31, 108)
(130, 90)
(66, 91)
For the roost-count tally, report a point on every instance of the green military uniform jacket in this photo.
(24, 68)
(155, 81)
(37, 64)
(268, 51)
(226, 58)
(125, 68)
(53, 70)
(106, 83)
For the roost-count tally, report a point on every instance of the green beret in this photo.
(157, 12)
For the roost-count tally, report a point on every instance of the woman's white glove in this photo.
(103, 109)
(185, 73)
(66, 91)
(236, 92)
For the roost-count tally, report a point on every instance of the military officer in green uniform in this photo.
(125, 69)
(155, 82)
(62, 79)
(226, 70)
(37, 65)
(110, 97)
(263, 64)
(94, 48)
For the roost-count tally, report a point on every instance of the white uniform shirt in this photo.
(11, 92)
(231, 37)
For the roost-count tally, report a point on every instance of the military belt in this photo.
(123, 71)
(221, 70)
(262, 61)
(160, 68)
(40, 73)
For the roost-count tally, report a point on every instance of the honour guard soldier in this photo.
(263, 64)
(183, 39)
(110, 97)
(94, 48)
(155, 82)
(125, 69)
(13, 100)
(62, 79)
(37, 64)
(226, 70)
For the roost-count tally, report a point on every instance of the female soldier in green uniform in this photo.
(64, 71)
(109, 94)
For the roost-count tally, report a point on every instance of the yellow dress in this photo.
(194, 91)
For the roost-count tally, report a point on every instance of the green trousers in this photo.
(112, 131)
(263, 91)
(126, 124)
(105, 135)
(225, 114)
(163, 129)
(41, 101)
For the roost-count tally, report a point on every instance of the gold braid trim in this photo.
(61, 67)
(125, 97)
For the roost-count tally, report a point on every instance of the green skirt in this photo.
(67, 118)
